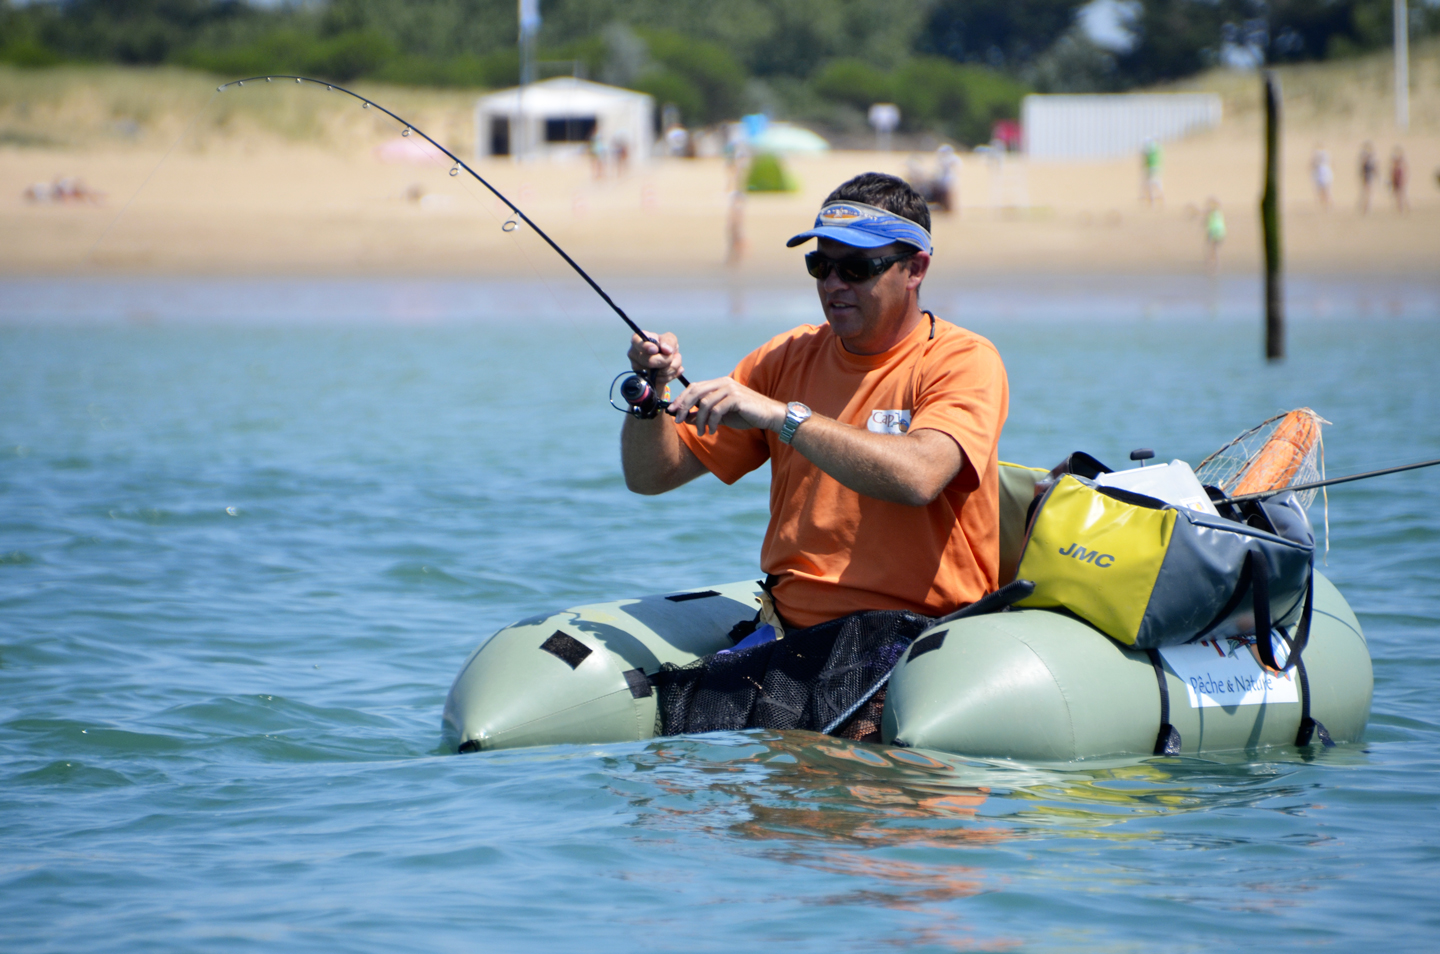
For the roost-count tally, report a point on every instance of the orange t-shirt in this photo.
(834, 550)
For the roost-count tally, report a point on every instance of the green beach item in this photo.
(1215, 226)
(768, 174)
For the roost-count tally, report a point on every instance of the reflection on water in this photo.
(915, 832)
(801, 784)
(808, 786)
(836, 808)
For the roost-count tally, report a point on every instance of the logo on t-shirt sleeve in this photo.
(888, 422)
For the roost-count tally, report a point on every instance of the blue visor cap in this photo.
(864, 226)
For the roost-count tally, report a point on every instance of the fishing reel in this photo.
(641, 399)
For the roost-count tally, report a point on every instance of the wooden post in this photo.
(1402, 65)
(1270, 222)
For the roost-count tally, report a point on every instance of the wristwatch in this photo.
(795, 415)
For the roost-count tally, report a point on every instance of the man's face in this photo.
(862, 313)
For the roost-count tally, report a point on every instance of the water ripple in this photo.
(240, 563)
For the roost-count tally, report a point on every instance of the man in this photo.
(1151, 188)
(1369, 168)
(881, 426)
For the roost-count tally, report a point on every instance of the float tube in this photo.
(1033, 684)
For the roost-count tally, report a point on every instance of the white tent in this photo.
(559, 117)
(1104, 126)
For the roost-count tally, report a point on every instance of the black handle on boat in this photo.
(460, 164)
(1008, 595)
(1326, 483)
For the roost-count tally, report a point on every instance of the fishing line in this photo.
(408, 128)
(509, 226)
(189, 127)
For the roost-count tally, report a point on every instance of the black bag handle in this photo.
(1242, 587)
(1301, 639)
(1255, 578)
(1080, 464)
(1260, 601)
(1302, 630)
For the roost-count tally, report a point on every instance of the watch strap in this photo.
(795, 415)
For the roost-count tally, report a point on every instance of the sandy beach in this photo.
(251, 202)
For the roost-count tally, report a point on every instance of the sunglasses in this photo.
(852, 271)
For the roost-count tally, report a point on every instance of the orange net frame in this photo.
(1280, 452)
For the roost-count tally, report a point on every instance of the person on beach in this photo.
(1214, 235)
(947, 179)
(737, 167)
(881, 427)
(1151, 188)
(1369, 169)
(1322, 175)
(599, 156)
(1400, 180)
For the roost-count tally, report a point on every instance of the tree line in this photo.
(953, 66)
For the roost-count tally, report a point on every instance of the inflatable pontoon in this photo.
(1028, 684)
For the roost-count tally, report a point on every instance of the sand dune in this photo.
(252, 202)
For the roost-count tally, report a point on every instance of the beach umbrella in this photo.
(788, 138)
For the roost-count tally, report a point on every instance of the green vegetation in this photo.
(954, 99)
(702, 79)
(953, 66)
(83, 106)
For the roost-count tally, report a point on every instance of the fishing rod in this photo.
(1327, 483)
(638, 390)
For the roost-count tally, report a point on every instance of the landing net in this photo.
(1279, 452)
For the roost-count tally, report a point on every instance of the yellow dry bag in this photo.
(1148, 573)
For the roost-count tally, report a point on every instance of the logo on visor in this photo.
(842, 215)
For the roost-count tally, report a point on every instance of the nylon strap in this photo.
(1260, 602)
(1255, 578)
(1302, 632)
(1167, 742)
(1309, 727)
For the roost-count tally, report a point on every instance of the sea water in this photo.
(249, 531)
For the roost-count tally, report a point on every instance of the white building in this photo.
(559, 117)
(1109, 125)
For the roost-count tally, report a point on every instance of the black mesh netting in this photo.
(805, 681)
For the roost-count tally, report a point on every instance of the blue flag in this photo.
(529, 16)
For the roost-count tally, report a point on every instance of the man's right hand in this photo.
(661, 356)
(654, 458)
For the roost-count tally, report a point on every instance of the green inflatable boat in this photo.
(1028, 684)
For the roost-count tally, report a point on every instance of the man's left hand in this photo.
(725, 401)
(910, 469)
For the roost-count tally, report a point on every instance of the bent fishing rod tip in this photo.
(1314, 484)
(517, 217)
